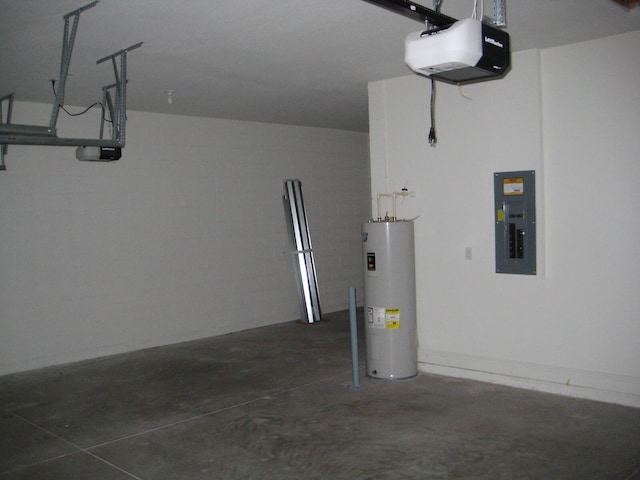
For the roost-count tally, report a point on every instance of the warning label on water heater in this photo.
(375, 317)
(392, 318)
(380, 317)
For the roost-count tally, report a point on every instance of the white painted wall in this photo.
(182, 238)
(571, 114)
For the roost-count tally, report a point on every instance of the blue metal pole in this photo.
(354, 337)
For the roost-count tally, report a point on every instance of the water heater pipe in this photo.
(393, 196)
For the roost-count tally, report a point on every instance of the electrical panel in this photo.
(515, 222)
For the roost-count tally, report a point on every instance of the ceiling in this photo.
(297, 62)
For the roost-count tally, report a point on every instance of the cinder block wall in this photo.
(182, 238)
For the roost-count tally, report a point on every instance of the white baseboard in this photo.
(603, 387)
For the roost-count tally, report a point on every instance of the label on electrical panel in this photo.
(392, 318)
(513, 186)
(376, 317)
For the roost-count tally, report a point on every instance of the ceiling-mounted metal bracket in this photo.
(117, 112)
(68, 40)
(15, 134)
(499, 19)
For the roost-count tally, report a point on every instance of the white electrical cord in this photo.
(474, 14)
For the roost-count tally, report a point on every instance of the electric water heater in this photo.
(390, 299)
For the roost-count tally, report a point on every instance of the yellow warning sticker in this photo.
(513, 186)
(392, 318)
(501, 215)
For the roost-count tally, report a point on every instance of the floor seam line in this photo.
(179, 422)
(212, 413)
(77, 448)
(40, 427)
(634, 473)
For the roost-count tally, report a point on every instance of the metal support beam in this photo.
(416, 12)
(9, 130)
(68, 40)
(301, 242)
(434, 18)
(119, 111)
(8, 101)
(17, 139)
(108, 106)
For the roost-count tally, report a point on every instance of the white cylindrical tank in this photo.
(390, 299)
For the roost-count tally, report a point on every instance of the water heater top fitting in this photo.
(393, 196)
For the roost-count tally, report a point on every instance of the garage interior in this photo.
(149, 317)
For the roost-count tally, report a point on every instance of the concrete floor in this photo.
(277, 403)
